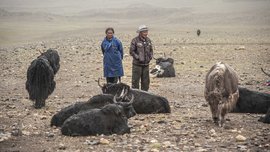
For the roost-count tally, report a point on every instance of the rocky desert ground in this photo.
(235, 32)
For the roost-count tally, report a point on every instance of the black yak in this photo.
(97, 101)
(164, 68)
(144, 102)
(40, 77)
(111, 119)
(198, 32)
(253, 102)
(221, 91)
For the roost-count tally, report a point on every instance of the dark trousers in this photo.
(113, 79)
(140, 72)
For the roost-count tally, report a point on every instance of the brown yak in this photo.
(221, 91)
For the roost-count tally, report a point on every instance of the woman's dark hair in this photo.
(109, 29)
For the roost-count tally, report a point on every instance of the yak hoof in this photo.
(39, 105)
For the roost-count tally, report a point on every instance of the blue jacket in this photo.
(112, 57)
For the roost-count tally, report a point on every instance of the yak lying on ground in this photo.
(144, 102)
(221, 91)
(97, 101)
(253, 102)
(111, 119)
(40, 77)
(164, 68)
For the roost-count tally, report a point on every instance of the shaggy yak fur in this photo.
(111, 119)
(144, 102)
(96, 102)
(221, 91)
(40, 77)
(253, 102)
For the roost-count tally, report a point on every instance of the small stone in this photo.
(16, 132)
(197, 145)
(27, 133)
(240, 138)
(167, 144)
(104, 141)
(62, 146)
(200, 149)
(212, 131)
(242, 147)
(43, 117)
(154, 150)
(153, 141)
(50, 135)
(88, 142)
(186, 148)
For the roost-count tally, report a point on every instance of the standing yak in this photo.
(198, 32)
(221, 91)
(40, 77)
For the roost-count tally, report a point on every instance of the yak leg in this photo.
(39, 104)
(222, 120)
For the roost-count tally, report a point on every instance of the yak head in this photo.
(120, 92)
(162, 64)
(126, 105)
(114, 88)
(119, 108)
(217, 102)
(53, 57)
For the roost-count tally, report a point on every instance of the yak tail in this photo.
(40, 83)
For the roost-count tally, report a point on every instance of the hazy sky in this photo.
(68, 7)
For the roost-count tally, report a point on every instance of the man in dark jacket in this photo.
(141, 50)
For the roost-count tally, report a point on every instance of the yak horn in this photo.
(265, 72)
(131, 100)
(98, 81)
(154, 58)
(122, 93)
(115, 98)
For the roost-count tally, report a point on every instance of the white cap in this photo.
(142, 28)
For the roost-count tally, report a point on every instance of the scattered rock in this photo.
(240, 138)
(242, 147)
(240, 48)
(91, 142)
(27, 133)
(49, 134)
(104, 141)
(16, 132)
(4, 136)
(62, 146)
(167, 144)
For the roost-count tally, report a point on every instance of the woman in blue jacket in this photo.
(112, 50)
